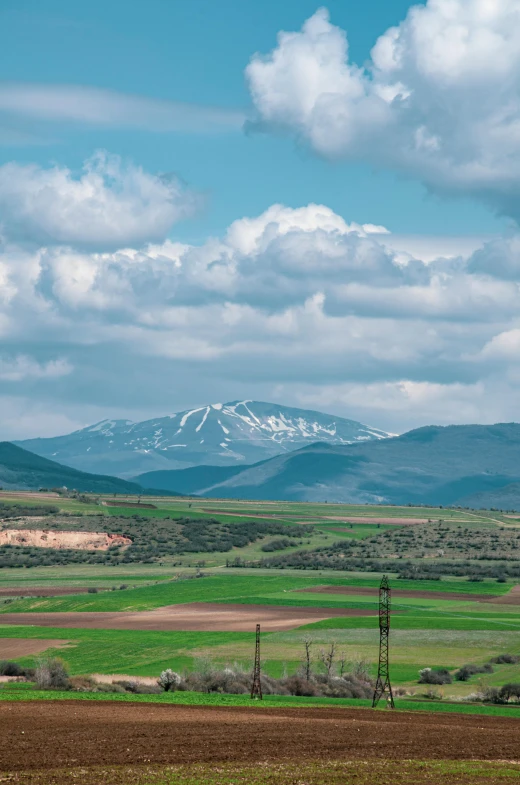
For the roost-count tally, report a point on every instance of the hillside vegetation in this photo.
(431, 466)
(21, 469)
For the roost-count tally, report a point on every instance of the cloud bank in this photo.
(439, 99)
(110, 316)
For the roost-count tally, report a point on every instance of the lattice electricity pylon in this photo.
(256, 687)
(383, 672)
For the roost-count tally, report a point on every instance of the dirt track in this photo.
(58, 734)
(202, 617)
(422, 595)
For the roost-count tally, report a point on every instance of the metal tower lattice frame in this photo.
(383, 672)
(256, 687)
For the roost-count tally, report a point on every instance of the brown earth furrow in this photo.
(189, 617)
(59, 734)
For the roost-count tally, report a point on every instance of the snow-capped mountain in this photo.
(219, 434)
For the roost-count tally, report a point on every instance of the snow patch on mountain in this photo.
(217, 434)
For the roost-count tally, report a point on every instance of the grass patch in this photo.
(133, 652)
(287, 773)
(16, 692)
(228, 586)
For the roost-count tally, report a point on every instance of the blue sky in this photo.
(206, 201)
(196, 52)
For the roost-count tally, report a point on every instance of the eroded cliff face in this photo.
(62, 540)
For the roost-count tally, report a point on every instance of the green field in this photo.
(427, 630)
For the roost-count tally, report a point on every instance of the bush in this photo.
(51, 674)
(509, 691)
(464, 673)
(433, 694)
(136, 688)
(10, 669)
(169, 680)
(277, 545)
(505, 659)
(434, 676)
(296, 685)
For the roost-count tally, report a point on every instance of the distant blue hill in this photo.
(23, 470)
(467, 465)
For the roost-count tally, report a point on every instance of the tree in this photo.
(307, 642)
(327, 657)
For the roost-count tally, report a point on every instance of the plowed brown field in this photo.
(355, 519)
(511, 598)
(41, 591)
(202, 617)
(10, 648)
(422, 595)
(59, 734)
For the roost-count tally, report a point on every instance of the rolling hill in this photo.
(434, 465)
(229, 434)
(23, 470)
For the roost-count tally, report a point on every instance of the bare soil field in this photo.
(252, 514)
(59, 734)
(353, 519)
(29, 495)
(62, 540)
(42, 591)
(137, 505)
(10, 648)
(422, 595)
(511, 598)
(201, 617)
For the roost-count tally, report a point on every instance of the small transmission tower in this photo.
(383, 672)
(256, 687)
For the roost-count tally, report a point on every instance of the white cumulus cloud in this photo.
(110, 204)
(297, 304)
(439, 100)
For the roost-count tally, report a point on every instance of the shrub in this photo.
(509, 691)
(169, 680)
(10, 669)
(277, 545)
(491, 695)
(505, 659)
(51, 674)
(433, 694)
(434, 676)
(464, 673)
(296, 685)
(136, 688)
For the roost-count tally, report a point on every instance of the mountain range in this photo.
(468, 465)
(220, 434)
(255, 450)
